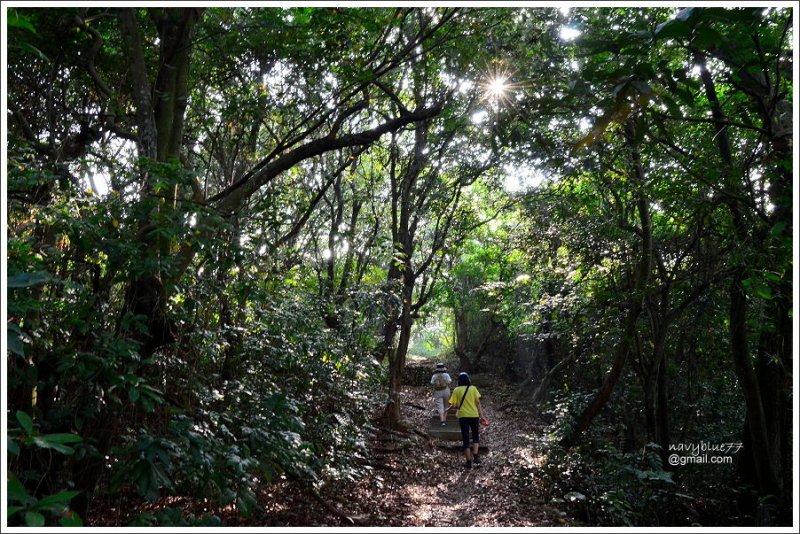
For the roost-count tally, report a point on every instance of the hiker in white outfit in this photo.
(441, 390)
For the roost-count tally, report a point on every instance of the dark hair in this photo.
(463, 379)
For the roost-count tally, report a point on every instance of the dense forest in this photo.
(240, 238)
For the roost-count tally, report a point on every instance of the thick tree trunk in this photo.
(785, 389)
(774, 381)
(160, 131)
(655, 396)
(400, 269)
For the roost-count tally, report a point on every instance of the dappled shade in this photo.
(239, 238)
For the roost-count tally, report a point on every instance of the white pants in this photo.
(441, 397)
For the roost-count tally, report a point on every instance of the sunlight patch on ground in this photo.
(432, 506)
(418, 491)
(528, 455)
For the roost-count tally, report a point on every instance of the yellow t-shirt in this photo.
(470, 406)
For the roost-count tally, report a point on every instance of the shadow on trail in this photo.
(424, 482)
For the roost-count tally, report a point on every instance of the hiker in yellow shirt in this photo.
(466, 399)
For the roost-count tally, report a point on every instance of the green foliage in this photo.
(644, 121)
(289, 399)
(174, 517)
(32, 512)
(24, 508)
(249, 361)
(604, 487)
(15, 20)
(433, 336)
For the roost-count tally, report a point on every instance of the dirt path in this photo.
(413, 482)
(425, 484)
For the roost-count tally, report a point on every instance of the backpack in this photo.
(439, 383)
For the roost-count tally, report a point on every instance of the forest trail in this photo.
(418, 483)
(412, 481)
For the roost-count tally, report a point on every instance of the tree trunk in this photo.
(611, 378)
(160, 131)
(655, 391)
(641, 276)
(662, 413)
(397, 355)
(760, 453)
(774, 365)
(481, 350)
(541, 389)
(757, 423)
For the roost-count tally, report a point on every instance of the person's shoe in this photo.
(444, 423)
(476, 460)
(468, 465)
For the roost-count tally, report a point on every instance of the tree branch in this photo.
(313, 204)
(27, 132)
(97, 42)
(713, 121)
(232, 198)
(145, 115)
